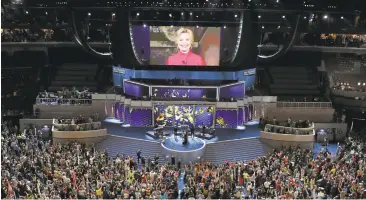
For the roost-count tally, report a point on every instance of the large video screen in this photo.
(233, 91)
(189, 93)
(184, 115)
(135, 89)
(185, 46)
(164, 115)
(226, 119)
(204, 115)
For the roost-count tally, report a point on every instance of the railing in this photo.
(57, 101)
(283, 104)
(348, 94)
(289, 130)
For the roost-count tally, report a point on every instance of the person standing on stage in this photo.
(203, 129)
(192, 131)
(185, 142)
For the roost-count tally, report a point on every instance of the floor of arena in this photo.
(251, 131)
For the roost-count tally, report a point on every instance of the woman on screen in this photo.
(185, 56)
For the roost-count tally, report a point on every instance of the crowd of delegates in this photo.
(50, 35)
(17, 91)
(66, 96)
(288, 123)
(289, 127)
(34, 168)
(345, 87)
(78, 123)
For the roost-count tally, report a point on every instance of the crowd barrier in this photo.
(284, 104)
(57, 101)
(86, 126)
(87, 136)
(295, 138)
(304, 131)
(78, 134)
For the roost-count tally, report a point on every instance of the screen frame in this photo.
(137, 83)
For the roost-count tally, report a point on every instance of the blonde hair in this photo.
(185, 30)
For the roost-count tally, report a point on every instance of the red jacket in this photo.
(189, 58)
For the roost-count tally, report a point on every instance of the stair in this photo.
(129, 146)
(74, 75)
(293, 80)
(241, 149)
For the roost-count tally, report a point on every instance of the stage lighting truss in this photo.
(82, 42)
(140, 60)
(238, 38)
(283, 48)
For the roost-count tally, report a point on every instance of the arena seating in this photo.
(74, 75)
(293, 81)
(352, 80)
(20, 80)
(346, 62)
(363, 64)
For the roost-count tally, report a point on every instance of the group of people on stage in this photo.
(186, 133)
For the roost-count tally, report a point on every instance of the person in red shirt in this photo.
(185, 56)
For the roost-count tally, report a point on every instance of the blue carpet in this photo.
(176, 143)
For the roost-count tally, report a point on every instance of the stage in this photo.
(173, 145)
(251, 130)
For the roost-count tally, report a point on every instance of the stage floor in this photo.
(251, 131)
(176, 144)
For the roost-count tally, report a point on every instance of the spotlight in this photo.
(138, 14)
(113, 14)
(342, 17)
(262, 27)
(190, 13)
(89, 14)
(224, 26)
(278, 27)
(197, 26)
(277, 1)
(182, 13)
(46, 13)
(325, 17)
(171, 25)
(364, 84)
(235, 15)
(170, 15)
(26, 12)
(305, 17)
(359, 83)
(259, 16)
(145, 25)
(283, 16)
